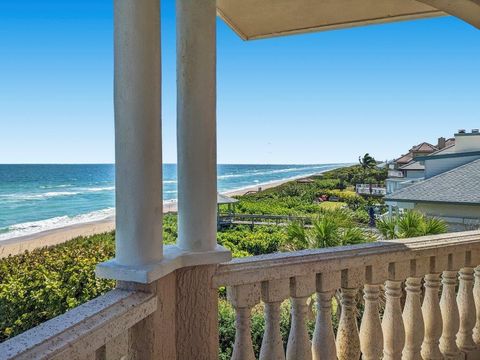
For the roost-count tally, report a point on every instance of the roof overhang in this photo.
(257, 19)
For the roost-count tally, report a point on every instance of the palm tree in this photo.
(297, 237)
(433, 226)
(324, 233)
(410, 224)
(388, 227)
(367, 162)
(354, 235)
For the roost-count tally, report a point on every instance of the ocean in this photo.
(34, 198)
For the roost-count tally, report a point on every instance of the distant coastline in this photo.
(38, 198)
(19, 244)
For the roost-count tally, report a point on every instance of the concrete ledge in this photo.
(81, 331)
(173, 258)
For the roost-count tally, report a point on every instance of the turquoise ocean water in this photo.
(34, 198)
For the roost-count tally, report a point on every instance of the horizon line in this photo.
(170, 163)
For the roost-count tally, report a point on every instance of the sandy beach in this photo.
(20, 244)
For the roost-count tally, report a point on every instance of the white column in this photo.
(196, 124)
(138, 153)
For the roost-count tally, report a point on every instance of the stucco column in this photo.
(196, 125)
(138, 154)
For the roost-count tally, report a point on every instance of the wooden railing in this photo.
(263, 218)
(412, 270)
(96, 330)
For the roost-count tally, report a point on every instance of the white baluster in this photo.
(450, 316)
(371, 334)
(432, 318)
(476, 296)
(243, 298)
(413, 320)
(299, 346)
(466, 308)
(273, 293)
(392, 323)
(348, 339)
(323, 342)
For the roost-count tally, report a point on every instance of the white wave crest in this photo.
(270, 172)
(53, 194)
(97, 189)
(42, 196)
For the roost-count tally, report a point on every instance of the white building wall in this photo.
(437, 166)
(458, 217)
(415, 174)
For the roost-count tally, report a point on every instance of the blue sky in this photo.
(316, 98)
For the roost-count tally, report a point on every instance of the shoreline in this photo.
(19, 244)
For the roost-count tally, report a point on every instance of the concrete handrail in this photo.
(94, 328)
(396, 267)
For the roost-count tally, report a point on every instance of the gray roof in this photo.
(446, 150)
(413, 165)
(223, 199)
(458, 186)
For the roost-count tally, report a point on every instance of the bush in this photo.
(353, 175)
(45, 283)
(260, 240)
(410, 224)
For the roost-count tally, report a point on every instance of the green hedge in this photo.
(45, 283)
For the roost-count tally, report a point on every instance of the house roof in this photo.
(450, 142)
(404, 159)
(424, 147)
(256, 19)
(448, 149)
(413, 165)
(457, 186)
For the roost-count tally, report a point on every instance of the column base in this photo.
(173, 258)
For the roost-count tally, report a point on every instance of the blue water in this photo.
(39, 197)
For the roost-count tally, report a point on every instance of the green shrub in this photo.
(257, 241)
(40, 285)
(410, 224)
(387, 227)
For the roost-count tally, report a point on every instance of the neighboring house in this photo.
(417, 150)
(407, 169)
(450, 187)
(413, 170)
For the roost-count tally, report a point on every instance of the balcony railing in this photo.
(395, 174)
(373, 190)
(431, 287)
(98, 329)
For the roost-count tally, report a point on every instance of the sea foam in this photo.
(32, 227)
